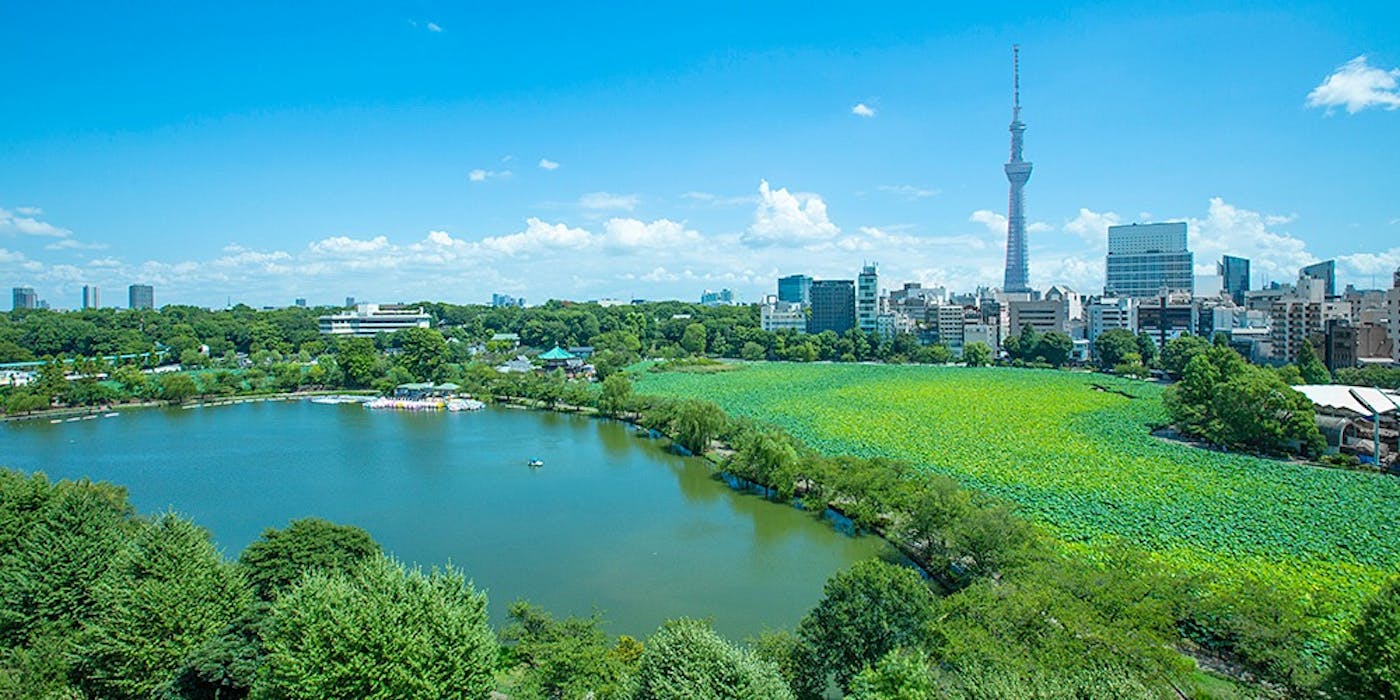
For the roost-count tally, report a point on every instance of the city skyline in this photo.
(664, 167)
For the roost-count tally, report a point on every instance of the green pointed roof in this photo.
(557, 353)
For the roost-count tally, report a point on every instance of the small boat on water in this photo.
(74, 419)
(536, 462)
(56, 420)
(113, 414)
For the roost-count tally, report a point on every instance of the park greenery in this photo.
(1067, 552)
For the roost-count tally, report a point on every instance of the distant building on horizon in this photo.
(777, 315)
(1147, 260)
(723, 297)
(300, 302)
(1234, 276)
(868, 299)
(91, 298)
(1325, 272)
(501, 301)
(349, 302)
(369, 320)
(141, 296)
(24, 298)
(833, 306)
(795, 289)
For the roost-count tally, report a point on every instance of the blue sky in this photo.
(259, 152)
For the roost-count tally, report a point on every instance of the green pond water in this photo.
(612, 521)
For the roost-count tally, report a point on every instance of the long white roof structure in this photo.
(1361, 400)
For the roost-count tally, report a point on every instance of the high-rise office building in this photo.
(25, 298)
(90, 297)
(141, 296)
(833, 306)
(795, 289)
(1326, 272)
(867, 299)
(1146, 260)
(1018, 172)
(1234, 276)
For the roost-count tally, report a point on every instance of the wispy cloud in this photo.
(22, 222)
(482, 175)
(602, 201)
(863, 110)
(433, 27)
(547, 164)
(909, 192)
(1357, 85)
(74, 244)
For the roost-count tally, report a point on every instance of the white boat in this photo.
(113, 414)
(56, 420)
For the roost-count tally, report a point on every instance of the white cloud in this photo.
(1231, 230)
(788, 217)
(433, 27)
(1357, 85)
(73, 244)
(714, 200)
(547, 164)
(909, 192)
(26, 225)
(995, 223)
(482, 175)
(30, 211)
(1092, 226)
(538, 236)
(632, 233)
(863, 110)
(607, 200)
(343, 246)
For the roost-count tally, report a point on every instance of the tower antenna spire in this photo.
(1016, 82)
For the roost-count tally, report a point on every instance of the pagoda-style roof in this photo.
(558, 354)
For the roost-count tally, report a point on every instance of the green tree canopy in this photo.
(379, 632)
(686, 659)
(865, 612)
(280, 558)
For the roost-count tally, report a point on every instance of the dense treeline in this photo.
(1237, 405)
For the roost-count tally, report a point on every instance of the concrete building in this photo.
(1299, 319)
(833, 306)
(1392, 312)
(1234, 275)
(140, 296)
(981, 333)
(1043, 315)
(91, 298)
(723, 297)
(777, 315)
(1109, 313)
(1324, 272)
(867, 299)
(24, 298)
(369, 320)
(796, 289)
(1146, 260)
(1167, 317)
(950, 322)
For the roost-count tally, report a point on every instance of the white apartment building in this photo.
(775, 315)
(369, 320)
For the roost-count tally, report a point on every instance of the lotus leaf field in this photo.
(1073, 451)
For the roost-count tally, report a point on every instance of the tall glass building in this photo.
(795, 289)
(1234, 273)
(1145, 260)
(141, 296)
(833, 306)
(1325, 271)
(867, 298)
